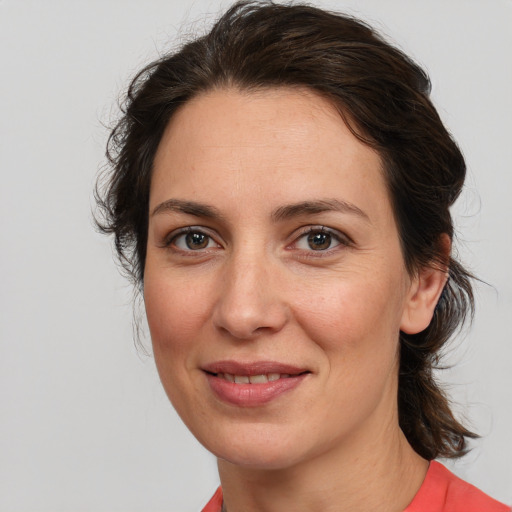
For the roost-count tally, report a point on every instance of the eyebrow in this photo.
(279, 214)
(187, 207)
(317, 206)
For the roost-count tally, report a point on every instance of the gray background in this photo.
(85, 425)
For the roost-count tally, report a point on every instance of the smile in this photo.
(252, 384)
(253, 379)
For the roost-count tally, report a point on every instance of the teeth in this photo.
(258, 379)
(253, 379)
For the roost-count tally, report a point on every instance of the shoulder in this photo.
(442, 491)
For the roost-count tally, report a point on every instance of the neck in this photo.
(383, 474)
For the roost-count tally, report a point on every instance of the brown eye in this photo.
(193, 241)
(196, 241)
(319, 241)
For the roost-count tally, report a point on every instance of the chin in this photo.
(259, 446)
(267, 460)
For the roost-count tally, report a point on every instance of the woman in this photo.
(280, 193)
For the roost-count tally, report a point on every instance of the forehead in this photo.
(292, 143)
(233, 117)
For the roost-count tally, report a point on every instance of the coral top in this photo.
(441, 491)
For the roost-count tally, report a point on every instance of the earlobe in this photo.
(424, 293)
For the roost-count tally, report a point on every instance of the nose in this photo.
(250, 299)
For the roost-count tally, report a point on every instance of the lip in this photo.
(252, 368)
(252, 395)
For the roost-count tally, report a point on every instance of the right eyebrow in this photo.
(187, 207)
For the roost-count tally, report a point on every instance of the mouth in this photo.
(256, 372)
(252, 384)
(262, 378)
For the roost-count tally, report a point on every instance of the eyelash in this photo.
(340, 238)
(170, 240)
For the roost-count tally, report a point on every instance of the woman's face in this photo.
(273, 261)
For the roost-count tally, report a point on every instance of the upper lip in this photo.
(252, 368)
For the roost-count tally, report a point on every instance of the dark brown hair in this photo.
(382, 96)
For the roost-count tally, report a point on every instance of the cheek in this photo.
(176, 314)
(357, 328)
(176, 311)
(351, 310)
(356, 325)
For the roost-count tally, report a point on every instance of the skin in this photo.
(257, 290)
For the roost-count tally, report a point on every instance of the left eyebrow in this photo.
(317, 206)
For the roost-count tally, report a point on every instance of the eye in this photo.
(319, 239)
(193, 240)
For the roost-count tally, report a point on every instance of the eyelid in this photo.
(343, 239)
(168, 240)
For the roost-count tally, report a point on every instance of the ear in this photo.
(425, 290)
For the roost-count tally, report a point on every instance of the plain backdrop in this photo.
(85, 425)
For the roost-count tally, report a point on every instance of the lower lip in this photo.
(252, 395)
